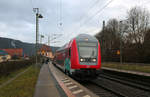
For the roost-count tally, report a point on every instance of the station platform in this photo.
(127, 71)
(53, 83)
(45, 86)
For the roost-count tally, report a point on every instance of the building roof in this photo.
(80, 38)
(85, 37)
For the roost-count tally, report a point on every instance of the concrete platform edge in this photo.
(60, 90)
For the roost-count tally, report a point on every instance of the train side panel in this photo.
(74, 55)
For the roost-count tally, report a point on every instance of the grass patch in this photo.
(145, 68)
(23, 86)
(11, 75)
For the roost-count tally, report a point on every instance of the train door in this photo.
(67, 61)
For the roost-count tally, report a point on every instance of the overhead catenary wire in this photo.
(91, 17)
(59, 12)
(60, 16)
(59, 22)
(92, 4)
(91, 8)
(98, 12)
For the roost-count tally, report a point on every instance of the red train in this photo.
(81, 57)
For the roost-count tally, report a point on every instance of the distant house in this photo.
(46, 51)
(4, 56)
(14, 52)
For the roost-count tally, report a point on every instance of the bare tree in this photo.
(113, 33)
(138, 21)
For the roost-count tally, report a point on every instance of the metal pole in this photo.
(37, 40)
(48, 40)
(103, 43)
(120, 42)
(36, 10)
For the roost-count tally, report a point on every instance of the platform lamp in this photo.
(36, 10)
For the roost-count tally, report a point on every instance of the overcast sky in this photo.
(17, 19)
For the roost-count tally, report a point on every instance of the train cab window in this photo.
(87, 50)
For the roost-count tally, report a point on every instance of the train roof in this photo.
(80, 37)
(61, 48)
(85, 37)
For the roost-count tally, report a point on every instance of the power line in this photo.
(90, 18)
(98, 12)
(91, 7)
(59, 24)
(96, 2)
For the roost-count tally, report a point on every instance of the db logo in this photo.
(87, 66)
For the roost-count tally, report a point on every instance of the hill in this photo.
(28, 48)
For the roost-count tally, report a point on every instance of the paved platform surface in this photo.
(45, 86)
(53, 83)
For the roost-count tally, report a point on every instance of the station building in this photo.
(46, 51)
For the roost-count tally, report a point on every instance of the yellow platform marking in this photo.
(71, 87)
(68, 83)
(77, 91)
(87, 96)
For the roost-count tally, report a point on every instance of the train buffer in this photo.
(53, 83)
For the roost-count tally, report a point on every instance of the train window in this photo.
(87, 50)
(69, 52)
(87, 44)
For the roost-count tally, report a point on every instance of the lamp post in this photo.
(36, 10)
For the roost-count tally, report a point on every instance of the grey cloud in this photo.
(18, 20)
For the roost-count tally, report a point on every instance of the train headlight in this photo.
(82, 60)
(94, 60)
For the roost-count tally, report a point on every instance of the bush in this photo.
(9, 66)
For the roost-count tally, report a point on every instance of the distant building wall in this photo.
(15, 51)
(46, 51)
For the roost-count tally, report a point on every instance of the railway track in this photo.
(124, 89)
(114, 86)
(138, 79)
(130, 82)
(99, 90)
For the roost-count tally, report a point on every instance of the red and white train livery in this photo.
(81, 57)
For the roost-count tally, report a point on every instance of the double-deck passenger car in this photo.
(81, 57)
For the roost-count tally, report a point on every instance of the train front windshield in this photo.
(87, 50)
